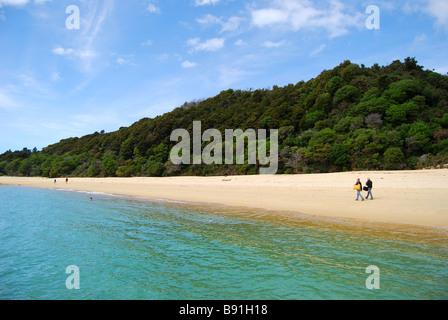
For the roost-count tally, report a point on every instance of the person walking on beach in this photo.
(369, 185)
(358, 188)
(66, 180)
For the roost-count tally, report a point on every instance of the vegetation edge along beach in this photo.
(349, 122)
(349, 118)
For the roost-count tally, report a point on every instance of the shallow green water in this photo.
(135, 249)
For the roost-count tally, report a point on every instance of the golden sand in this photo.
(410, 197)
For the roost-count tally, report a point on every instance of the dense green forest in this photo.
(349, 118)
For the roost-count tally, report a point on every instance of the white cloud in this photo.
(208, 45)
(266, 17)
(146, 43)
(303, 15)
(278, 44)
(125, 61)
(231, 24)
(82, 53)
(14, 3)
(188, 64)
(240, 43)
(20, 3)
(153, 9)
(121, 61)
(209, 19)
(58, 50)
(419, 40)
(439, 10)
(199, 3)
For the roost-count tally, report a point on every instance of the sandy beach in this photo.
(409, 197)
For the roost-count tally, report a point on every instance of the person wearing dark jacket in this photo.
(369, 185)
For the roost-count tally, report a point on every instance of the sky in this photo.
(70, 68)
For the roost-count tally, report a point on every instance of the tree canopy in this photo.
(347, 118)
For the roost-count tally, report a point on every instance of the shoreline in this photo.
(404, 197)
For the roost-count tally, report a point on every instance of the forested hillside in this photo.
(349, 118)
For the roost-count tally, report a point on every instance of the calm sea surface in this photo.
(136, 249)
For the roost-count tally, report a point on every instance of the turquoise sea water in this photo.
(136, 249)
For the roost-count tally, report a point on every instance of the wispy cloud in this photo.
(14, 3)
(188, 64)
(152, 8)
(55, 76)
(85, 46)
(230, 24)
(318, 50)
(207, 45)
(199, 3)
(84, 54)
(6, 102)
(241, 43)
(147, 43)
(438, 9)
(273, 44)
(58, 50)
(126, 60)
(20, 3)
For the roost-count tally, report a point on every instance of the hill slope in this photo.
(347, 118)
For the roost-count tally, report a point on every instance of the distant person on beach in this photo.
(369, 185)
(66, 180)
(54, 180)
(358, 188)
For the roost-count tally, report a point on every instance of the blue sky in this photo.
(142, 58)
